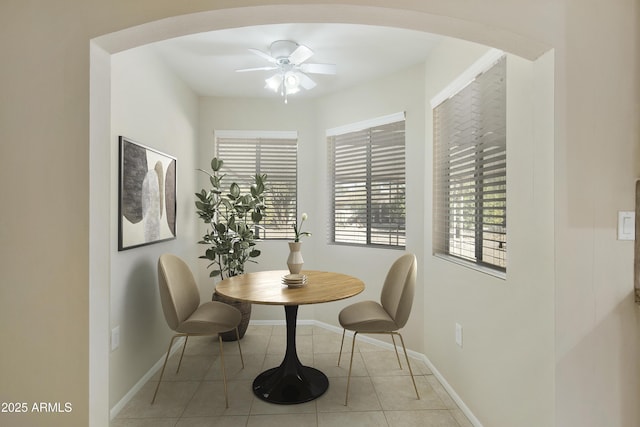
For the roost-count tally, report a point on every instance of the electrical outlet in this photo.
(459, 334)
(115, 338)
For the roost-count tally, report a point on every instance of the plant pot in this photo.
(295, 261)
(245, 309)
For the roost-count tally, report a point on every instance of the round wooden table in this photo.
(291, 382)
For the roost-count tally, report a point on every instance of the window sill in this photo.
(370, 246)
(480, 268)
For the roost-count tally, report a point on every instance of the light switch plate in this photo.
(459, 334)
(626, 225)
(115, 338)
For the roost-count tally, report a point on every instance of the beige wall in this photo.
(596, 166)
(44, 129)
(504, 371)
(152, 107)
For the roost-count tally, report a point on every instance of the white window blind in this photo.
(245, 154)
(470, 165)
(367, 172)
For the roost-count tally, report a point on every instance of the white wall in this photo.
(267, 114)
(150, 106)
(402, 91)
(504, 371)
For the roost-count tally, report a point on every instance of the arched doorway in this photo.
(108, 44)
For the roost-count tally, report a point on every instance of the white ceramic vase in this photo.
(295, 261)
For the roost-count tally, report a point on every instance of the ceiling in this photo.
(207, 61)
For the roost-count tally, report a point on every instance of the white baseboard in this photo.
(146, 377)
(463, 407)
(413, 354)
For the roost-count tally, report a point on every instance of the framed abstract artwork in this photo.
(147, 196)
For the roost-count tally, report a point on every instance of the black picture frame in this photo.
(146, 195)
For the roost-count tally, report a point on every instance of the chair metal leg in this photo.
(353, 345)
(396, 349)
(164, 366)
(224, 376)
(239, 349)
(341, 344)
(182, 354)
(409, 365)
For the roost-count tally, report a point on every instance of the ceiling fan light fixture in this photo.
(292, 82)
(274, 82)
(288, 58)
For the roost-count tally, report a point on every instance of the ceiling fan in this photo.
(288, 58)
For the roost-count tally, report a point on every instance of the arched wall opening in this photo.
(104, 46)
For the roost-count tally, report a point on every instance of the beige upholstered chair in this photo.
(386, 317)
(184, 314)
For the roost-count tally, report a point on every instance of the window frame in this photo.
(256, 136)
(354, 128)
(440, 249)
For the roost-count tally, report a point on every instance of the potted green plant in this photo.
(233, 217)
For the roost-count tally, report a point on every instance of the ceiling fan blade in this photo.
(306, 81)
(263, 55)
(319, 68)
(301, 54)
(243, 70)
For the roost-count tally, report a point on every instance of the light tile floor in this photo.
(381, 393)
